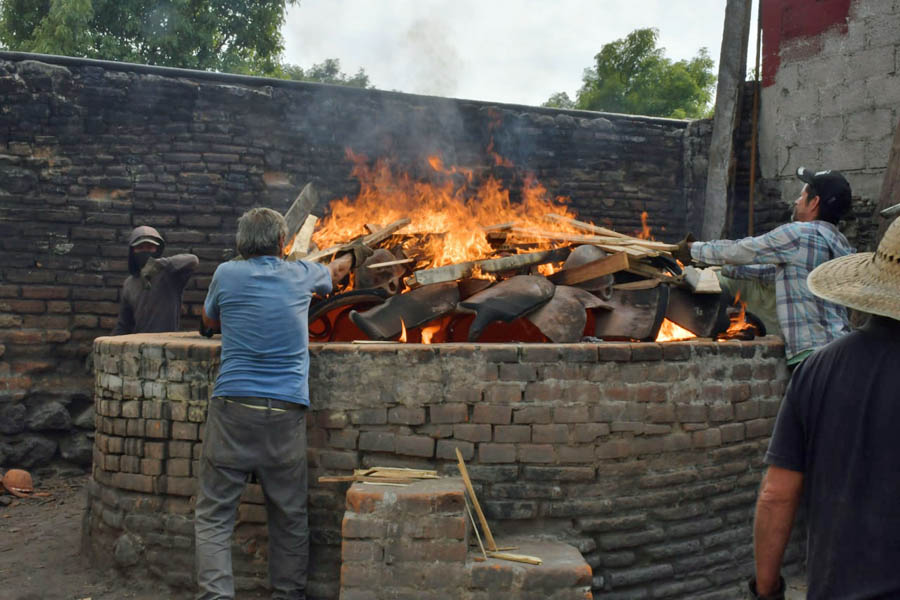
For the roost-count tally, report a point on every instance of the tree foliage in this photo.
(633, 76)
(328, 71)
(237, 36)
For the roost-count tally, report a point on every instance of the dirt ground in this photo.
(40, 548)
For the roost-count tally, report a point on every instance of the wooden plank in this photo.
(651, 272)
(702, 281)
(360, 478)
(390, 263)
(372, 239)
(300, 247)
(488, 537)
(397, 472)
(585, 226)
(598, 268)
(516, 261)
(296, 215)
(596, 240)
(489, 265)
(500, 227)
(522, 558)
(643, 284)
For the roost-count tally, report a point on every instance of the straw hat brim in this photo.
(855, 281)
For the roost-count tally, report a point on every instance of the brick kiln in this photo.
(644, 456)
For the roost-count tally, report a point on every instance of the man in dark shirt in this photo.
(835, 446)
(151, 296)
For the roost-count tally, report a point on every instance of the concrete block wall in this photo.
(90, 149)
(645, 457)
(830, 98)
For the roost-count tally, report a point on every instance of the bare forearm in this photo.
(339, 268)
(772, 525)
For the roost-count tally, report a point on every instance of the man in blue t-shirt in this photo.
(256, 422)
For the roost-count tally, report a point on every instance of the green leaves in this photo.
(633, 76)
(218, 35)
(328, 71)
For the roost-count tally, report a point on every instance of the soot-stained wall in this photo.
(90, 149)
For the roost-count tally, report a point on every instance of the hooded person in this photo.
(151, 295)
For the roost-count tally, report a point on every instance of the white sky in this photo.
(517, 51)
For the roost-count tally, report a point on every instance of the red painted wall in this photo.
(787, 22)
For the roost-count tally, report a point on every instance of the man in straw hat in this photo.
(835, 443)
(769, 271)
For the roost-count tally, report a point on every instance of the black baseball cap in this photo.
(831, 187)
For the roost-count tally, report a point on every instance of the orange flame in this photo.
(739, 325)
(644, 233)
(447, 212)
(428, 332)
(402, 338)
(671, 332)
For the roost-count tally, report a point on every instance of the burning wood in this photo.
(460, 262)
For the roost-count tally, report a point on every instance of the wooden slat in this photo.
(390, 263)
(372, 239)
(522, 558)
(584, 226)
(598, 268)
(488, 537)
(489, 265)
(300, 247)
(296, 215)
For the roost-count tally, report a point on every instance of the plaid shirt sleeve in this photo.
(778, 246)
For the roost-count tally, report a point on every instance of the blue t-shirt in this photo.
(263, 304)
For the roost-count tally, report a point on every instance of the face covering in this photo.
(141, 258)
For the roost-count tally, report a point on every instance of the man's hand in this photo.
(339, 268)
(150, 270)
(683, 252)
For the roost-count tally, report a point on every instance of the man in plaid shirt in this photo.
(778, 262)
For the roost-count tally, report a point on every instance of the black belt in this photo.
(264, 402)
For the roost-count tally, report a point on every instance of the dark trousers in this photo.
(239, 440)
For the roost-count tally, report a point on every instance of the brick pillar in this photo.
(407, 541)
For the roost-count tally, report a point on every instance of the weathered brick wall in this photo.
(830, 98)
(646, 457)
(90, 149)
(412, 542)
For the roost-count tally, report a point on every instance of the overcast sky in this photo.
(517, 51)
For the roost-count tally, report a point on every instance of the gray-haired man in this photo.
(257, 417)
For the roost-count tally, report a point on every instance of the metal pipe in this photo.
(754, 123)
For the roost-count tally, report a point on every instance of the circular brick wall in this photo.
(646, 457)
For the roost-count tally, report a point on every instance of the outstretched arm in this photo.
(776, 506)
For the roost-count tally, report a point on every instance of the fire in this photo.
(739, 328)
(670, 332)
(402, 338)
(448, 208)
(428, 333)
(644, 233)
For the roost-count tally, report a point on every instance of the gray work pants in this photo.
(239, 440)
